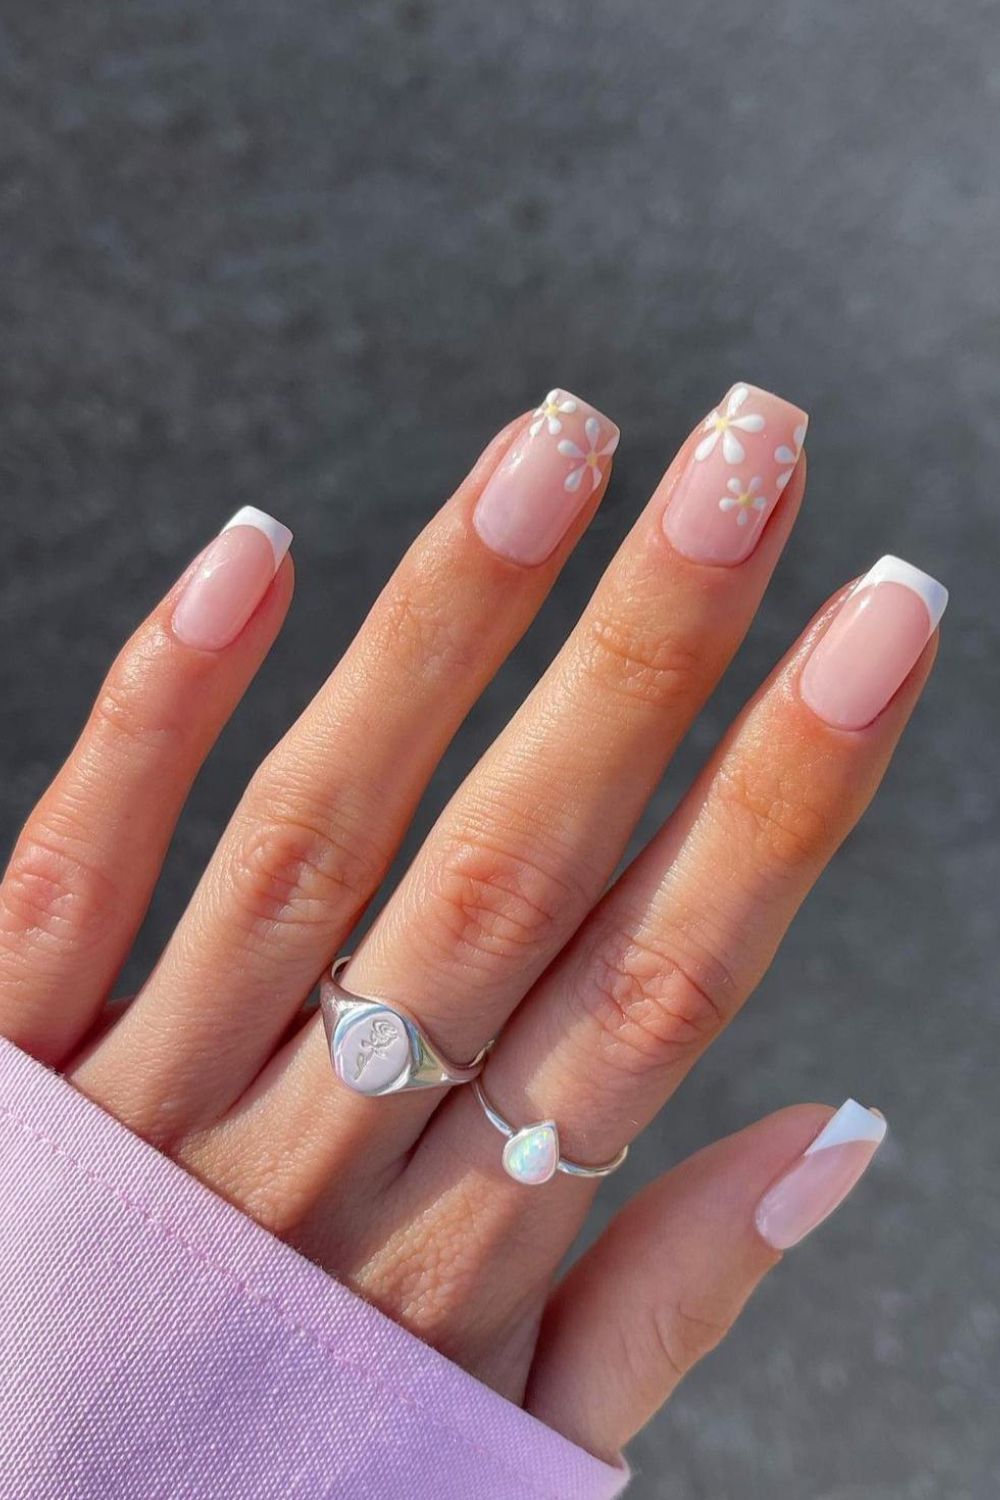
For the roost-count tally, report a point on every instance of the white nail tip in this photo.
(278, 535)
(852, 1122)
(894, 570)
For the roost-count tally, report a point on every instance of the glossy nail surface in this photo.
(551, 471)
(872, 644)
(229, 580)
(822, 1177)
(744, 456)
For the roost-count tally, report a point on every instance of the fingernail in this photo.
(746, 451)
(872, 644)
(230, 579)
(546, 479)
(822, 1177)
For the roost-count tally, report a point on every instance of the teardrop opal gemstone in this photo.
(532, 1155)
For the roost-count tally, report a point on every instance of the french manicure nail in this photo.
(821, 1178)
(872, 644)
(745, 455)
(229, 580)
(545, 480)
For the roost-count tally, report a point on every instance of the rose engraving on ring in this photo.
(377, 1043)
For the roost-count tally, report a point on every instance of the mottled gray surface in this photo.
(312, 256)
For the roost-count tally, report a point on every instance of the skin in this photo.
(504, 922)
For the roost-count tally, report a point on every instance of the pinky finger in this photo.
(689, 1250)
(85, 865)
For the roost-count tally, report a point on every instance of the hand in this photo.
(601, 1000)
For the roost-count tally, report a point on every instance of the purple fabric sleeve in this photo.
(158, 1343)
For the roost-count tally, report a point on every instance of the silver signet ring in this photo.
(376, 1048)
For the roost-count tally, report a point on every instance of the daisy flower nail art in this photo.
(718, 510)
(589, 457)
(724, 424)
(743, 501)
(789, 455)
(551, 412)
(537, 492)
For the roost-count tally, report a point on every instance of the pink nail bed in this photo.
(229, 580)
(821, 1178)
(872, 644)
(546, 479)
(745, 455)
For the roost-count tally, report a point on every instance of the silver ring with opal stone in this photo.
(376, 1048)
(531, 1154)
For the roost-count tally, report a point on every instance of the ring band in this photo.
(531, 1154)
(376, 1048)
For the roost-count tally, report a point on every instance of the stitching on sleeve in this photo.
(284, 1316)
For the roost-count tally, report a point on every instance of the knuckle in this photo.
(296, 872)
(682, 1336)
(785, 829)
(492, 905)
(417, 624)
(637, 663)
(129, 705)
(651, 1011)
(52, 898)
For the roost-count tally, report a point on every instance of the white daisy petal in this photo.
(592, 428)
(784, 455)
(755, 483)
(799, 435)
(707, 445)
(568, 405)
(572, 480)
(710, 421)
(734, 486)
(752, 422)
(570, 450)
(536, 427)
(727, 502)
(610, 446)
(733, 450)
(741, 519)
(597, 474)
(554, 425)
(783, 479)
(736, 400)
(551, 398)
(759, 502)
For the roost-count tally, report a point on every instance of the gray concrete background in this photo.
(311, 257)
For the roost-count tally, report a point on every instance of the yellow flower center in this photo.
(721, 423)
(591, 459)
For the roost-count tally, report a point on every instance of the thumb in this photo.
(670, 1277)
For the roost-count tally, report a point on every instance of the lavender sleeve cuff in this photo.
(156, 1342)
